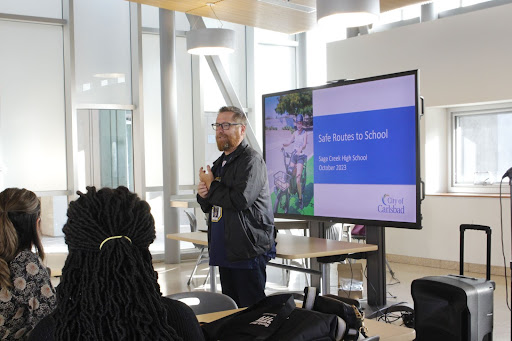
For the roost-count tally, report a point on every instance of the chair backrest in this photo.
(334, 232)
(204, 302)
(192, 220)
(359, 230)
(297, 296)
(193, 227)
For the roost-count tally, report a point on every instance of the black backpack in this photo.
(276, 318)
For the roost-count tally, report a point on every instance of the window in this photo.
(481, 151)
(32, 117)
(275, 66)
(105, 148)
(36, 8)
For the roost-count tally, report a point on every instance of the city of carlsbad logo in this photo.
(391, 205)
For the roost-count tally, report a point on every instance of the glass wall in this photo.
(275, 66)
(32, 109)
(36, 8)
(30, 93)
(32, 114)
(152, 109)
(153, 119)
(102, 52)
(105, 148)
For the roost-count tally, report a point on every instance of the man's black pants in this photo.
(245, 286)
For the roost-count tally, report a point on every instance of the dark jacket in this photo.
(180, 316)
(244, 197)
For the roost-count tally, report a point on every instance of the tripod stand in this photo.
(510, 185)
(508, 174)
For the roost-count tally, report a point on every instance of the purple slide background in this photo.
(379, 94)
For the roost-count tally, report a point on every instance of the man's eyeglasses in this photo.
(224, 126)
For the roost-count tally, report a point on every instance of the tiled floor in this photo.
(173, 278)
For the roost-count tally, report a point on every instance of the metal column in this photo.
(139, 172)
(169, 130)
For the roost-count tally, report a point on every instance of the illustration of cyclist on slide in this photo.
(298, 158)
(289, 119)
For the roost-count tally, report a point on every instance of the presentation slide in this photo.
(345, 151)
(364, 150)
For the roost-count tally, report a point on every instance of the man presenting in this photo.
(241, 232)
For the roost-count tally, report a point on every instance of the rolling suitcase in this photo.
(455, 307)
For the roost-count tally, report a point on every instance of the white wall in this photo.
(439, 238)
(463, 59)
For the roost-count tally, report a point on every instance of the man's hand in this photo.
(202, 190)
(205, 177)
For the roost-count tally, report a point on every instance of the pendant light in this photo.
(210, 41)
(332, 14)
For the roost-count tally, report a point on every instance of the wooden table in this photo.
(386, 331)
(290, 224)
(292, 247)
(184, 201)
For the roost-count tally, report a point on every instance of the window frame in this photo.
(453, 113)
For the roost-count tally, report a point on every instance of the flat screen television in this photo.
(355, 146)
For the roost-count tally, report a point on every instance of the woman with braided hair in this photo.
(109, 289)
(26, 293)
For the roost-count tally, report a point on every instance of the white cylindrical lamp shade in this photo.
(210, 41)
(347, 13)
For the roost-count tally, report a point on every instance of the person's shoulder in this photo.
(26, 254)
(175, 305)
(25, 257)
(28, 266)
(252, 153)
(252, 158)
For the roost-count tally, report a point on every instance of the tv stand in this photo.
(376, 262)
(376, 305)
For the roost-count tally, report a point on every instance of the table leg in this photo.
(326, 278)
(213, 279)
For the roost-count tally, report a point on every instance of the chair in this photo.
(203, 250)
(204, 302)
(297, 296)
(358, 232)
(298, 262)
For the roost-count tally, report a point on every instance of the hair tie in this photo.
(114, 237)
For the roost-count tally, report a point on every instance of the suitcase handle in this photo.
(488, 232)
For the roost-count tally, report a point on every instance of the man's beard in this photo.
(227, 142)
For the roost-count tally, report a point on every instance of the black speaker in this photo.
(453, 308)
